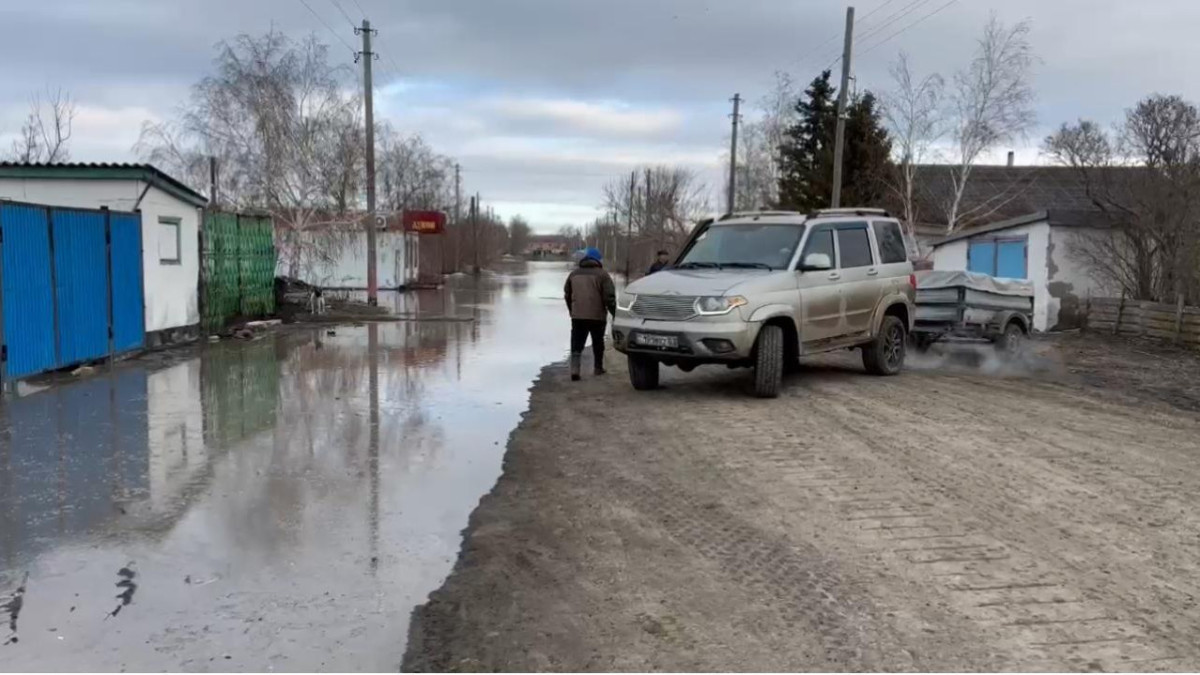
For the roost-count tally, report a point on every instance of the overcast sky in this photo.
(542, 101)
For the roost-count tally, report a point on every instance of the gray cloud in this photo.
(541, 99)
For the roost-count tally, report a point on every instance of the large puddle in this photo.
(279, 504)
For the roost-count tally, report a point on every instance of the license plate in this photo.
(660, 341)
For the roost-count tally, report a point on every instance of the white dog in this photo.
(316, 302)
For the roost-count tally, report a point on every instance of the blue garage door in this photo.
(28, 289)
(80, 285)
(129, 320)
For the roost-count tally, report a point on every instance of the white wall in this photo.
(170, 289)
(953, 256)
(347, 266)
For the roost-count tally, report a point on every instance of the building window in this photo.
(1001, 257)
(168, 240)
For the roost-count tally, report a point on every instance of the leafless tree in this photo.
(1145, 176)
(914, 115)
(277, 117)
(991, 102)
(518, 235)
(664, 215)
(759, 139)
(411, 174)
(46, 132)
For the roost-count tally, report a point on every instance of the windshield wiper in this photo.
(705, 265)
(752, 265)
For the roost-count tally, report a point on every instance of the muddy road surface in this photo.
(940, 520)
(275, 504)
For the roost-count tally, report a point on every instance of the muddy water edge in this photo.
(278, 504)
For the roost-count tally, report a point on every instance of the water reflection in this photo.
(284, 502)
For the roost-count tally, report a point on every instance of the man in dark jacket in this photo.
(591, 297)
(660, 262)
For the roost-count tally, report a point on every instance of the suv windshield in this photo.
(752, 245)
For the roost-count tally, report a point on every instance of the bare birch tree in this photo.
(758, 147)
(991, 102)
(914, 115)
(46, 132)
(1146, 178)
(664, 215)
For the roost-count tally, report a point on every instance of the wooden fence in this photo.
(1120, 316)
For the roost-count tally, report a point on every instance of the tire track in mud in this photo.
(1029, 601)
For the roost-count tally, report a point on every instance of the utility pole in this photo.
(212, 180)
(369, 112)
(629, 228)
(475, 228)
(732, 202)
(457, 212)
(840, 135)
(646, 215)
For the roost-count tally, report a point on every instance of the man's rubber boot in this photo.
(599, 367)
(576, 363)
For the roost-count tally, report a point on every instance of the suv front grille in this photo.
(664, 307)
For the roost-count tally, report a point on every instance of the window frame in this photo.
(996, 241)
(177, 222)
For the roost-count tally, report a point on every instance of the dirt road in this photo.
(940, 520)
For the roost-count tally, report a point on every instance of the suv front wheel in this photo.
(643, 372)
(768, 362)
(885, 354)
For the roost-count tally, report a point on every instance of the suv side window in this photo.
(855, 246)
(891, 242)
(820, 241)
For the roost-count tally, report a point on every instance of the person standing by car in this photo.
(591, 297)
(660, 263)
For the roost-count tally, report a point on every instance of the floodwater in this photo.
(276, 504)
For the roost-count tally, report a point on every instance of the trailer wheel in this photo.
(1012, 340)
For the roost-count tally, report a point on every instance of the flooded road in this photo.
(278, 504)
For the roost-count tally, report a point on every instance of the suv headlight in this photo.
(712, 305)
(625, 301)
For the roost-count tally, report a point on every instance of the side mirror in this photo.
(816, 262)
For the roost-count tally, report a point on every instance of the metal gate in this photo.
(70, 286)
(238, 267)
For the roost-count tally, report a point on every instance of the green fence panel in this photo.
(238, 267)
(240, 385)
(257, 265)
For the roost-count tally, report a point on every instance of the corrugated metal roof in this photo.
(104, 170)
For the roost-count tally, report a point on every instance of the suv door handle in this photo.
(872, 272)
(835, 275)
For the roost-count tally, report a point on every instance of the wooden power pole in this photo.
(629, 227)
(369, 112)
(732, 199)
(839, 140)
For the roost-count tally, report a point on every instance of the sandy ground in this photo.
(953, 518)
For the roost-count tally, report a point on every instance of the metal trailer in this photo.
(972, 306)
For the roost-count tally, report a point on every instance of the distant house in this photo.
(170, 221)
(546, 246)
(1025, 222)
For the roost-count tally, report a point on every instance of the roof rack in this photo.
(756, 214)
(849, 212)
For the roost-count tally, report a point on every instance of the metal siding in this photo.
(80, 285)
(28, 290)
(129, 320)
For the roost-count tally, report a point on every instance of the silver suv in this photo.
(762, 289)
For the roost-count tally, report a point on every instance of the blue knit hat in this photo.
(593, 253)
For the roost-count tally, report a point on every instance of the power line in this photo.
(888, 38)
(360, 9)
(870, 13)
(887, 21)
(819, 48)
(344, 14)
(327, 26)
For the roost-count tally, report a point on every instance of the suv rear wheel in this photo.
(643, 372)
(768, 362)
(885, 354)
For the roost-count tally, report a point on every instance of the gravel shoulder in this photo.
(941, 520)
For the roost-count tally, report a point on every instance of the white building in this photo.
(336, 257)
(170, 228)
(1041, 247)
